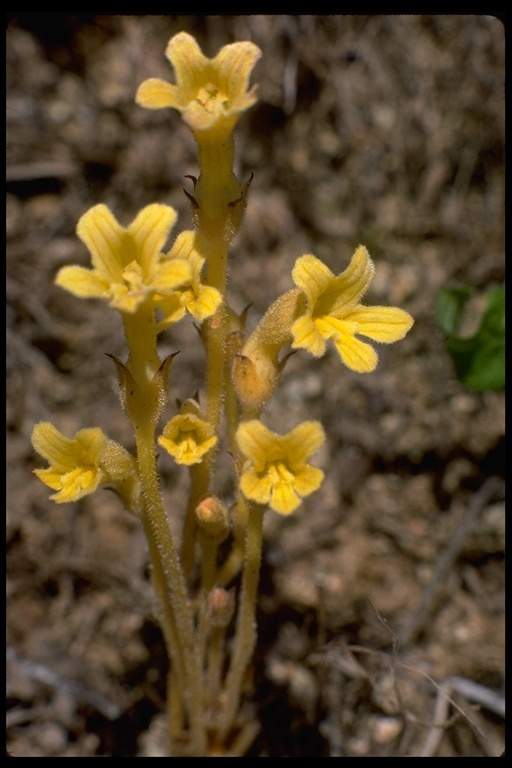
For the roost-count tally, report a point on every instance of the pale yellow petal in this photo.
(84, 283)
(383, 324)
(170, 275)
(155, 94)
(256, 487)
(308, 480)
(77, 484)
(284, 499)
(93, 441)
(306, 336)
(346, 290)
(204, 304)
(255, 441)
(233, 65)
(149, 231)
(172, 311)
(356, 354)
(50, 477)
(312, 276)
(106, 241)
(303, 441)
(185, 245)
(53, 446)
(191, 66)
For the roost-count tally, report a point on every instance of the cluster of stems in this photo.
(207, 583)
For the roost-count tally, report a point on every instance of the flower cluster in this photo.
(130, 269)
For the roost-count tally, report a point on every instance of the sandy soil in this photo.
(384, 592)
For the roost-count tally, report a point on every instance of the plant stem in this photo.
(245, 635)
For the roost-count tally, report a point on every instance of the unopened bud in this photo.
(257, 367)
(220, 605)
(213, 518)
(254, 379)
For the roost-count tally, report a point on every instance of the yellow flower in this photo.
(209, 93)
(278, 473)
(75, 465)
(187, 437)
(334, 312)
(200, 300)
(127, 263)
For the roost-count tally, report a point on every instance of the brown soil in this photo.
(385, 589)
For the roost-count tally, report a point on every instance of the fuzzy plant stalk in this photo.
(207, 593)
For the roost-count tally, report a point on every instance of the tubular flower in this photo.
(187, 437)
(209, 93)
(75, 465)
(277, 472)
(127, 263)
(334, 312)
(200, 300)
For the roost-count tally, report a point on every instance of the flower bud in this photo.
(220, 606)
(254, 379)
(213, 518)
(257, 368)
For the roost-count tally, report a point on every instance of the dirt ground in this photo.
(381, 613)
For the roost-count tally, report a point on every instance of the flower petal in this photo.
(172, 310)
(155, 94)
(53, 446)
(356, 354)
(233, 65)
(284, 499)
(93, 441)
(149, 231)
(84, 283)
(255, 441)
(307, 336)
(170, 275)
(303, 441)
(347, 289)
(189, 63)
(106, 241)
(50, 477)
(312, 276)
(203, 304)
(383, 324)
(308, 480)
(256, 487)
(187, 245)
(77, 484)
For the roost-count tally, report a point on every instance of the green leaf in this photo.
(479, 360)
(450, 305)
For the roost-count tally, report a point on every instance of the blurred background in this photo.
(387, 586)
